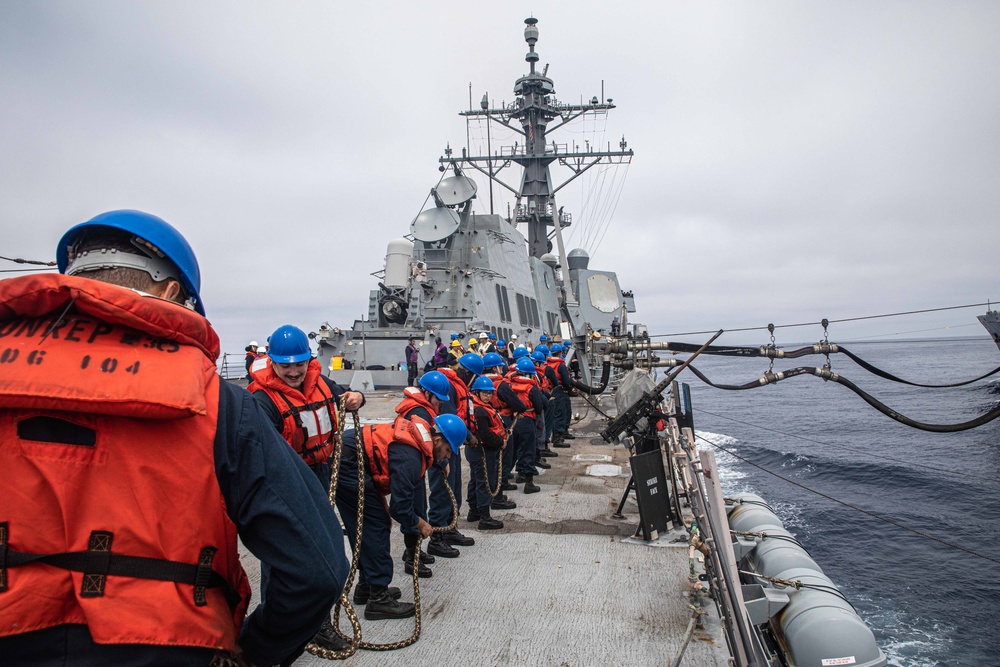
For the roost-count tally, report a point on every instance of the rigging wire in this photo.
(846, 319)
(18, 260)
(823, 348)
(614, 208)
(44, 268)
(891, 522)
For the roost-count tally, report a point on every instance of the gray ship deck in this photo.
(562, 584)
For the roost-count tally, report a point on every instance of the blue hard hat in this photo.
(472, 361)
(543, 338)
(502, 343)
(454, 336)
(526, 366)
(544, 349)
(289, 345)
(558, 349)
(483, 384)
(156, 240)
(436, 383)
(453, 429)
(538, 356)
(519, 352)
(493, 359)
(493, 336)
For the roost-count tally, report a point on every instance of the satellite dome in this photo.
(548, 259)
(578, 259)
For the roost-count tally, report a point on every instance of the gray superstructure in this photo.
(466, 272)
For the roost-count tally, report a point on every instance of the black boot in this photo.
(566, 435)
(328, 638)
(474, 515)
(425, 558)
(424, 571)
(455, 537)
(381, 605)
(547, 453)
(439, 547)
(557, 441)
(503, 503)
(530, 486)
(542, 463)
(508, 486)
(487, 522)
(362, 592)
(520, 479)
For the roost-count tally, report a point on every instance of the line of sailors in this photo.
(487, 342)
(476, 404)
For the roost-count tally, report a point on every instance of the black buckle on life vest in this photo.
(203, 575)
(3, 556)
(96, 564)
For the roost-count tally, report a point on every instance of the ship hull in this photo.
(991, 321)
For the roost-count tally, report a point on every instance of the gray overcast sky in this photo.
(794, 160)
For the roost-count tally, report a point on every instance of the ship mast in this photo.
(533, 110)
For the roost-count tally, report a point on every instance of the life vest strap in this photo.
(98, 563)
(294, 411)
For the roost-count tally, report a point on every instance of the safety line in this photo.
(845, 319)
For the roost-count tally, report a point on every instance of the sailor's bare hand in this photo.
(424, 528)
(353, 400)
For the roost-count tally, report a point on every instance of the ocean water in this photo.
(929, 604)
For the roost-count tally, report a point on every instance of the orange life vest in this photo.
(376, 439)
(543, 382)
(522, 385)
(414, 398)
(554, 363)
(463, 400)
(495, 424)
(496, 379)
(309, 414)
(120, 524)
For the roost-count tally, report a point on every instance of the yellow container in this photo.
(337, 363)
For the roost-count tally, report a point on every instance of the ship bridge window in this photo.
(533, 311)
(521, 312)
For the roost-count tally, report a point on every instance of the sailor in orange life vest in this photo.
(439, 508)
(530, 402)
(490, 436)
(421, 403)
(125, 492)
(301, 403)
(397, 456)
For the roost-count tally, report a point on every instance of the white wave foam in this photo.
(730, 476)
(717, 438)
